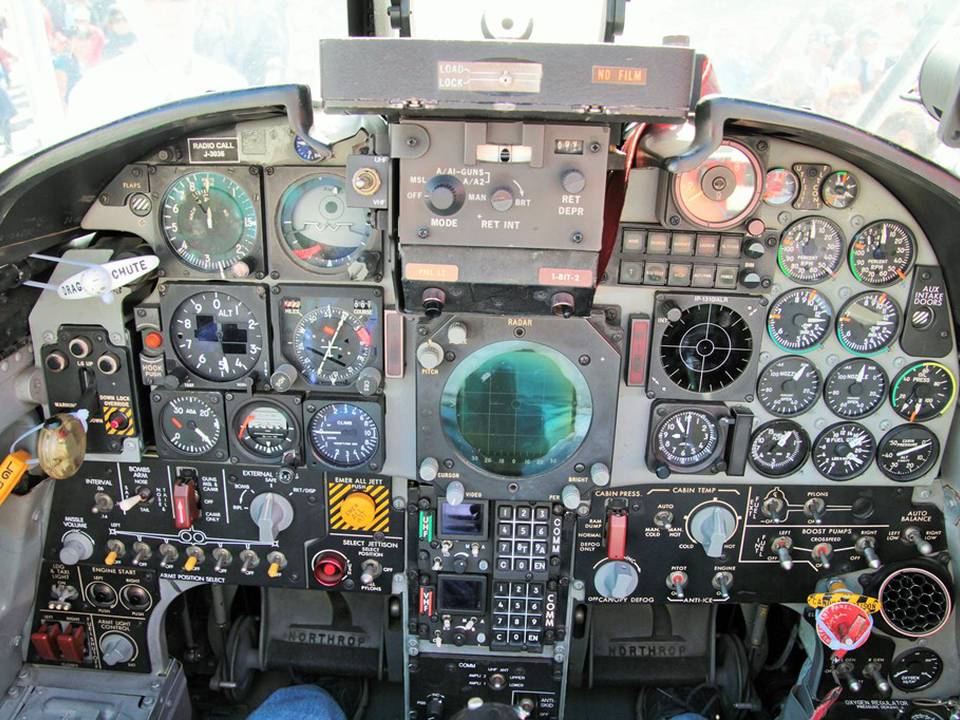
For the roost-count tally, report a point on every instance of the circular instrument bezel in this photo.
(938, 408)
(195, 357)
(862, 268)
(895, 435)
(812, 334)
(822, 266)
(902, 661)
(866, 300)
(367, 448)
(726, 147)
(186, 248)
(786, 426)
(833, 402)
(785, 176)
(832, 434)
(706, 452)
(806, 394)
(837, 204)
(203, 405)
(339, 325)
(338, 221)
(238, 420)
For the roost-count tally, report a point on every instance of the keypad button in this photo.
(501, 587)
(504, 547)
(658, 243)
(518, 606)
(521, 565)
(516, 621)
(535, 622)
(505, 512)
(500, 637)
(503, 564)
(533, 638)
(536, 590)
(501, 605)
(540, 549)
(655, 273)
(524, 512)
(703, 275)
(541, 513)
(523, 531)
(500, 620)
(516, 638)
(683, 244)
(634, 241)
(539, 566)
(708, 245)
(521, 547)
(505, 530)
(535, 606)
(540, 531)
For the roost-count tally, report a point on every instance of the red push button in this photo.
(72, 643)
(186, 505)
(426, 601)
(44, 641)
(639, 351)
(616, 536)
(329, 568)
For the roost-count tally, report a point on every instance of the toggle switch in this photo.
(913, 536)
(249, 560)
(821, 553)
(677, 581)
(781, 546)
(141, 553)
(616, 535)
(814, 508)
(722, 582)
(44, 641)
(72, 643)
(874, 673)
(866, 548)
(115, 551)
(186, 505)
(194, 558)
(277, 562)
(222, 559)
(168, 555)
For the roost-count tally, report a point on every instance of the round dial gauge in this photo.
(779, 448)
(868, 323)
(800, 319)
(811, 250)
(209, 220)
(344, 435)
(908, 452)
(780, 186)
(266, 430)
(216, 336)
(317, 228)
(706, 348)
(840, 189)
(332, 345)
(916, 670)
(190, 424)
(843, 451)
(882, 253)
(687, 439)
(788, 386)
(855, 388)
(304, 150)
(923, 391)
(723, 190)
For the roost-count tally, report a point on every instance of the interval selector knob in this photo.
(273, 514)
(711, 526)
(444, 194)
(429, 354)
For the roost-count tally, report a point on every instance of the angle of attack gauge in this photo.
(843, 451)
(811, 250)
(788, 386)
(923, 391)
(208, 220)
(779, 448)
(723, 190)
(800, 319)
(344, 435)
(868, 323)
(908, 452)
(265, 430)
(686, 440)
(855, 388)
(882, 253)
(190, 424)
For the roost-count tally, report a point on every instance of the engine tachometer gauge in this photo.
(723, 190)
(190, 424)
(780, 186)
(779, 448)
(686, 440)
(840, 189)
(908, 452)
(208, 220)
(923, 391)
(843, 451)
(317, 229)
(868, 323)
(788, 386)
(811, 250)
(800, 319)
(265, 430)
(855, 388)
(216, 336)
(882, 253)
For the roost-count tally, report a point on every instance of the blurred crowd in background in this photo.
(70, 65)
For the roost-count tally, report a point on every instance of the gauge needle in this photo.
(243, 427)
(333, 339)
(209, 218)
(862, 374)
(921, 446)
(799, 373)
(176, 423)
(203, 436)
(783, 439)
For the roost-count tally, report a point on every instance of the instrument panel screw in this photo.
(254, 170)
(762, 146)
(423, 233)
(576, 237)
(270, 171)
(584, 360)
(595, 147)
(674, 220)
(412, 141)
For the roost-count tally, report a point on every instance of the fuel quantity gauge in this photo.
(843, 451)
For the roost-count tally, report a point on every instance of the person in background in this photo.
(119, 35)
(7, 112)
(88, 39)
(65, 66)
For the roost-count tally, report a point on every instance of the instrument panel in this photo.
(398, 372)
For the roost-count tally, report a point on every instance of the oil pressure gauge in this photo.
(923, 391)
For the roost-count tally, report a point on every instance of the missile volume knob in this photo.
(711, 526)
(273, 514)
